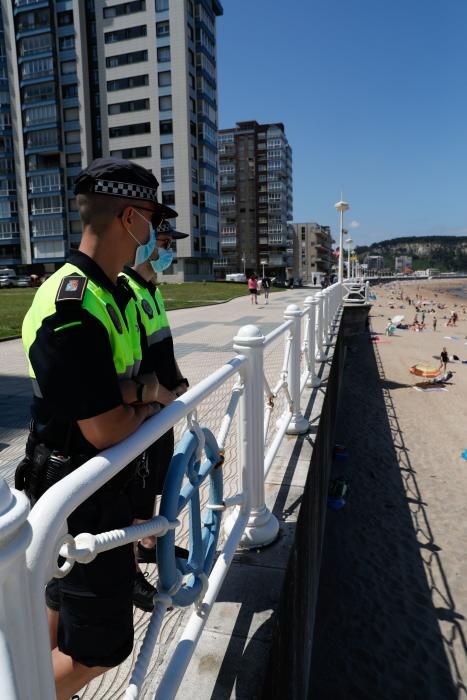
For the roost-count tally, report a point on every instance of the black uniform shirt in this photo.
(74, 368)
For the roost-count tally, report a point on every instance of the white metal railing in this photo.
(30, 543)
(356, 291)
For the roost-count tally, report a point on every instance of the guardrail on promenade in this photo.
(30, 542)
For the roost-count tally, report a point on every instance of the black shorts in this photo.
(253, 291)
(94, 601)
(143, 492)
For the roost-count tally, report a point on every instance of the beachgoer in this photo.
(266, 285)
(444, 360)
(435, 321)
(253, 287)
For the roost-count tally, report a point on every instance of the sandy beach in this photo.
(393, 592)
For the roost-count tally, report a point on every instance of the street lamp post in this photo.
(341, 207)
(349, 243)
(263, 263)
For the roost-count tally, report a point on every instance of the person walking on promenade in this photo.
(266, 286)
(158, 358)
(81, 338)
(253, 287)
(444, 360)
(435, 321)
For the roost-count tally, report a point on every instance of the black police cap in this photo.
(121, 178)
(166, 227)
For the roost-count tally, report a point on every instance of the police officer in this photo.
(83, 346)
(159, 358)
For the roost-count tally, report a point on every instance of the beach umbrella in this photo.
(397, 319)
(424, 369)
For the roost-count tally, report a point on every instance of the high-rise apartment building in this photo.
(255, 171)
(312, 251)
(134, 79)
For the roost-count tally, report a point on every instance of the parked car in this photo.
(8, 278)
(24, 281)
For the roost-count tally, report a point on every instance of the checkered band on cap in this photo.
(125, 189)
(164, 227)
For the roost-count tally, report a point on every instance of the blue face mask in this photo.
(144, 250)
(163, 261)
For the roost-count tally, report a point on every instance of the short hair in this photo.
(99, 210)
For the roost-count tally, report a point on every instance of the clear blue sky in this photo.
(373, 96)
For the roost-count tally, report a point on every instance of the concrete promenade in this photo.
(236, 641)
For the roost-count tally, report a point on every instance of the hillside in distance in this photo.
(446, 253)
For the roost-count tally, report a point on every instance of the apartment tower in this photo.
(255, 170)
(134, 80)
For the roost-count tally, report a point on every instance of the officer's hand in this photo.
(164, 396)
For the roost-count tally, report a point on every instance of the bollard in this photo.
(18, 663)
(298, 423)
(310, 304)
(263, 526)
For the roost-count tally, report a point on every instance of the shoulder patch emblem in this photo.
(113, 315)
(147, 308)
(72, 288)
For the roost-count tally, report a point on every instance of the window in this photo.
(137, 152)
(9, 230)
(46, 205)
(68, 67)
(69, 91)
(65, 43)
(129, 130)
(125, 83)
(125, 34)
(163, 54)
(165, 103)
(39, 68)
(168, 198)
(167, 151)
(128, 8)
(133, 106)
(168, 174)
(40, 115)
(49, 250)
(73, 159)
(165, 126)
(44, 183)
(192, 105)
(163, 28)
(192, 128)
(164, 78)
(47, 227)
(65, 18)
(71, 115)
(125, 59)
(162, 5)
(38, 139)
(191, 57)
(72, 137)
(35, 44)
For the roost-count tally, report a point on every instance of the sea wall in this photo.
(288, 670)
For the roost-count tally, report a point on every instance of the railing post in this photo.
(298, 423)
(18, 669)
(367, 291)
(310, 304)
(263, 526)
(326, 317)
(320, 354)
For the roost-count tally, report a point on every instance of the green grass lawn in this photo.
(15, 302)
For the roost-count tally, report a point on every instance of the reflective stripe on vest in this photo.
(124, 341)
